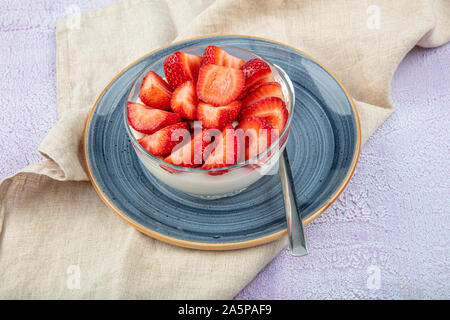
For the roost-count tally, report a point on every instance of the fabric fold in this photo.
(439, 34)
(66, 138)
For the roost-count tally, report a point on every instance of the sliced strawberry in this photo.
(181, 67)
(188, 154)
(220, 57)
(255, 135)
(155, 92)
(184, 100)
(149, 120)
(226, 151)
(256, 72)
(265, 90)
(253, 67)
(209, 140)
(191, 154)
(273, 109)
(217, 117)
(219, 85)
(162, 142)
(169, 169)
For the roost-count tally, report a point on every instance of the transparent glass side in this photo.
(201, 183)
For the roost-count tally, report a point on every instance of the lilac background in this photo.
(394, 215)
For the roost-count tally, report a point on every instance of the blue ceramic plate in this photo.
(323, 147)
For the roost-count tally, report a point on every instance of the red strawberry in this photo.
(184, 101)
(217, 117)
(155, 92)
(181, 67)
(220, 57)
(256, 71)
(225, 153)
(149, 120)
(253, 67)
(169, 169)
(188, 154)
(219, 85)
(210, 139)
(272, 109)
(163, 141)
(265, 90)
(256, 133)
(191, 154)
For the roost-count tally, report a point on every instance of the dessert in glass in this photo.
(210, 121)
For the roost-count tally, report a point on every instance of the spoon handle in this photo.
(297, 241)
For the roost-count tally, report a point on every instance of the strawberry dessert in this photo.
(209, 113)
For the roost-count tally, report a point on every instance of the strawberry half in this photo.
(188, 154)
(155, 92)
(220, 57)
(169, 169)
(184, 101)
(272, 109)
(162, 142)
(210, 139)
(255, 134)
(149, 120)
(256, 72)
(217, 117)
(219, 85)
(191, 154)
(181, 67)
(265, 90)
(225, 153)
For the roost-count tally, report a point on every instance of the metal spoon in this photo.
(297, 241)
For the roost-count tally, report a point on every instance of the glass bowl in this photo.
(204, 183)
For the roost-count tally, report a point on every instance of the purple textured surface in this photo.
(392, 223)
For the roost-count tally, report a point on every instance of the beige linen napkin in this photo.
(55, 228)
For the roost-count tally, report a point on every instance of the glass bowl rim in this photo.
(253, 160)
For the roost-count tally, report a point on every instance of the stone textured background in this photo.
(394, 215)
